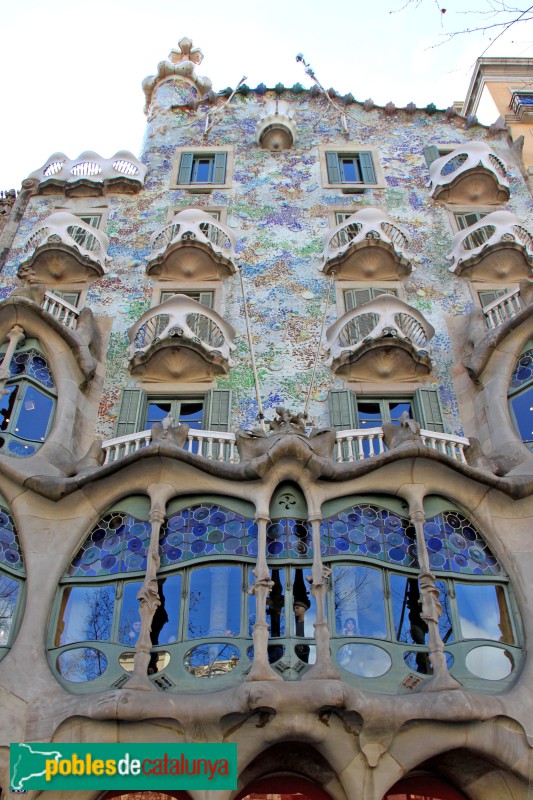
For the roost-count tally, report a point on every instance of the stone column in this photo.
(261, 669)
(441, 680)
(323, 668)
(15, 336)
(148, 595)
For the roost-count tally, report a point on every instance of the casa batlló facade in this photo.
(318, 547)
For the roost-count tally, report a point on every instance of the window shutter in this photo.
(353, 298)
(334, 173)
(367, 168)
(431, 153)
(487, 296)
(185, 171)
(218, 413)
(131, 413)
(206, 299)
(343, 409)
(219, 171)
(378, 292)
(427, 409)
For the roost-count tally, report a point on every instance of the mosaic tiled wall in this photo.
(278, 211)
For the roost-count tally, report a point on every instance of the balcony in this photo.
(470, 174)
(66, 249)
(384, 339)
(90, 175)
(181, 340)
(351, 445)
(194, 246)
(59, 309)
(367, 245)
(504, 308)
(521, 106)
(496, 248)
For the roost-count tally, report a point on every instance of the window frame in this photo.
(341, 287)
(513, 392)
(352, 149)
(198, 152)
(219, 213)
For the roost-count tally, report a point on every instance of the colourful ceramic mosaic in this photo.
(372, 532)
(279, 211)
(455, 545)
(10, 552)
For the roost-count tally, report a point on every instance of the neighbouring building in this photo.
(321, 547)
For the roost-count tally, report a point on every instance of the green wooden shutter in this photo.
(218, 411)
(131, 415)
(334, 173)
(206, 299)
(353, 298)
(219, 170)
(367, 168)
(186, 165)
(343, 409)
(427, 409)
(378, 292)
(431, 153)
(487, 296)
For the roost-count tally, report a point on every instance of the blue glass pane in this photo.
(206, 529)
(9, 592)
(211, 660)
(7, 402)
(34, 415)
(192, 414)
(370, 531)
(10, 552)
(359, 601)
(455, 545)
(407, 611)
(130, 620)
(81, 664)
(215, 602)
(202, 170)
(166, 618)
(522, 406)
(350, 170)
(483, 612)
(86, 614)
(523, 372)
(117, 543)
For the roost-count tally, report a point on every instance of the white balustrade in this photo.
(503, 308)
(351, 445)
(91, 167)
(64, 312)
(467, 157)
(490, 234)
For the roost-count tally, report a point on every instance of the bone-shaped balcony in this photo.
(471, 173)
(496, 248)
(181, 340)
(384, 339)
(66, 249)
(90, 175)
(367, 245)
(194, 246)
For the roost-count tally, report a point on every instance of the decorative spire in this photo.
(181, 65)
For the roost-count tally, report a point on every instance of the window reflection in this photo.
(9, 592)
(86, 614)
(214, 602)
(483, 612)
(406, 608)
(130, 621)
(359, 602)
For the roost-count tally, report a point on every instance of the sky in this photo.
(72, 71)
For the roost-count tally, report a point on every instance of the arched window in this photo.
(379, 630)
(27, 407)
(12, 576)
(521, 395)
(283, 787)
(427, 786)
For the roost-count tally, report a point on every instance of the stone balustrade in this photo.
(369, 244)
(504, 308)
(351, 445)
(497, 247)
(62, 311)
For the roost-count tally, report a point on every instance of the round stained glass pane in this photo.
(490, 663)
(275, 548)
(364, 660)
(357, 537)
(215, 536)
(201, 513)
(234, 526)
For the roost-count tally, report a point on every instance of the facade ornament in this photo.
(32, 287)
(166, 431)
(257, 442)
(181, 65)
(410, 109)
(276, 130)
(407, 431)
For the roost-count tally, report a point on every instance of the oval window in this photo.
(211, 660)
(158, 661)
(365, 660)
(490, 663)
(81, 664)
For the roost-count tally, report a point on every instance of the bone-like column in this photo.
(15, 336)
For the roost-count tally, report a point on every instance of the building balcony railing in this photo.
(65, 248)
(90, 174)
(181, 322)
(504, 308)
(470, 173)
(521, 105)
(351, 445)
(193, 246)
(387, 324)
(497, 247)
(367, 245)
(62, 311)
